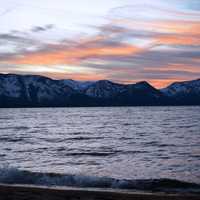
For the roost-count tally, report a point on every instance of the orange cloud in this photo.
(162, 26)
(173, 68)
(178, 40)
(176, 67)
(74, 55)
(177, 26)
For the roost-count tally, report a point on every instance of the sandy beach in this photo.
(22, 192)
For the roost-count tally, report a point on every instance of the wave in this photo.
(16, 176)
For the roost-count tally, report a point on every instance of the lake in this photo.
(117, 142)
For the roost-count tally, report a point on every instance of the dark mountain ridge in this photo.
(40, 91)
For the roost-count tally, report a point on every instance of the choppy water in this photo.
(121, 142)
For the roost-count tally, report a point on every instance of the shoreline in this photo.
(32, 192)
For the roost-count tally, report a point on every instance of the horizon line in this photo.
(57, 79)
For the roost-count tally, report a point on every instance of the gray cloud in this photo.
(42, 28)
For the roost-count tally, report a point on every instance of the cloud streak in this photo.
(161, 46)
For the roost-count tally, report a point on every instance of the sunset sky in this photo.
(125, 41)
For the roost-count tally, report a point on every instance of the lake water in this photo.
(117, 142)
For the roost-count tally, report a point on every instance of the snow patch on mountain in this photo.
(104, 89)
(77, 85)
(10, 86)
(182, 88)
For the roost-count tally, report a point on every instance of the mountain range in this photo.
(40, 91)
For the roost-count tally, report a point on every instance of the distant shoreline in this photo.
(38, 91)
(100, 106)
(21, 192)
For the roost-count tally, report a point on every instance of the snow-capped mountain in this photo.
(184, 93)
(183, 88)
(104, 89)
(33, 90)
(10, 86)
(77, 85)
(141, 93)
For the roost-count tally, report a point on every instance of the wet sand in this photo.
(22, 192)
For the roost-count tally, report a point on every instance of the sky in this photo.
(124, 41)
